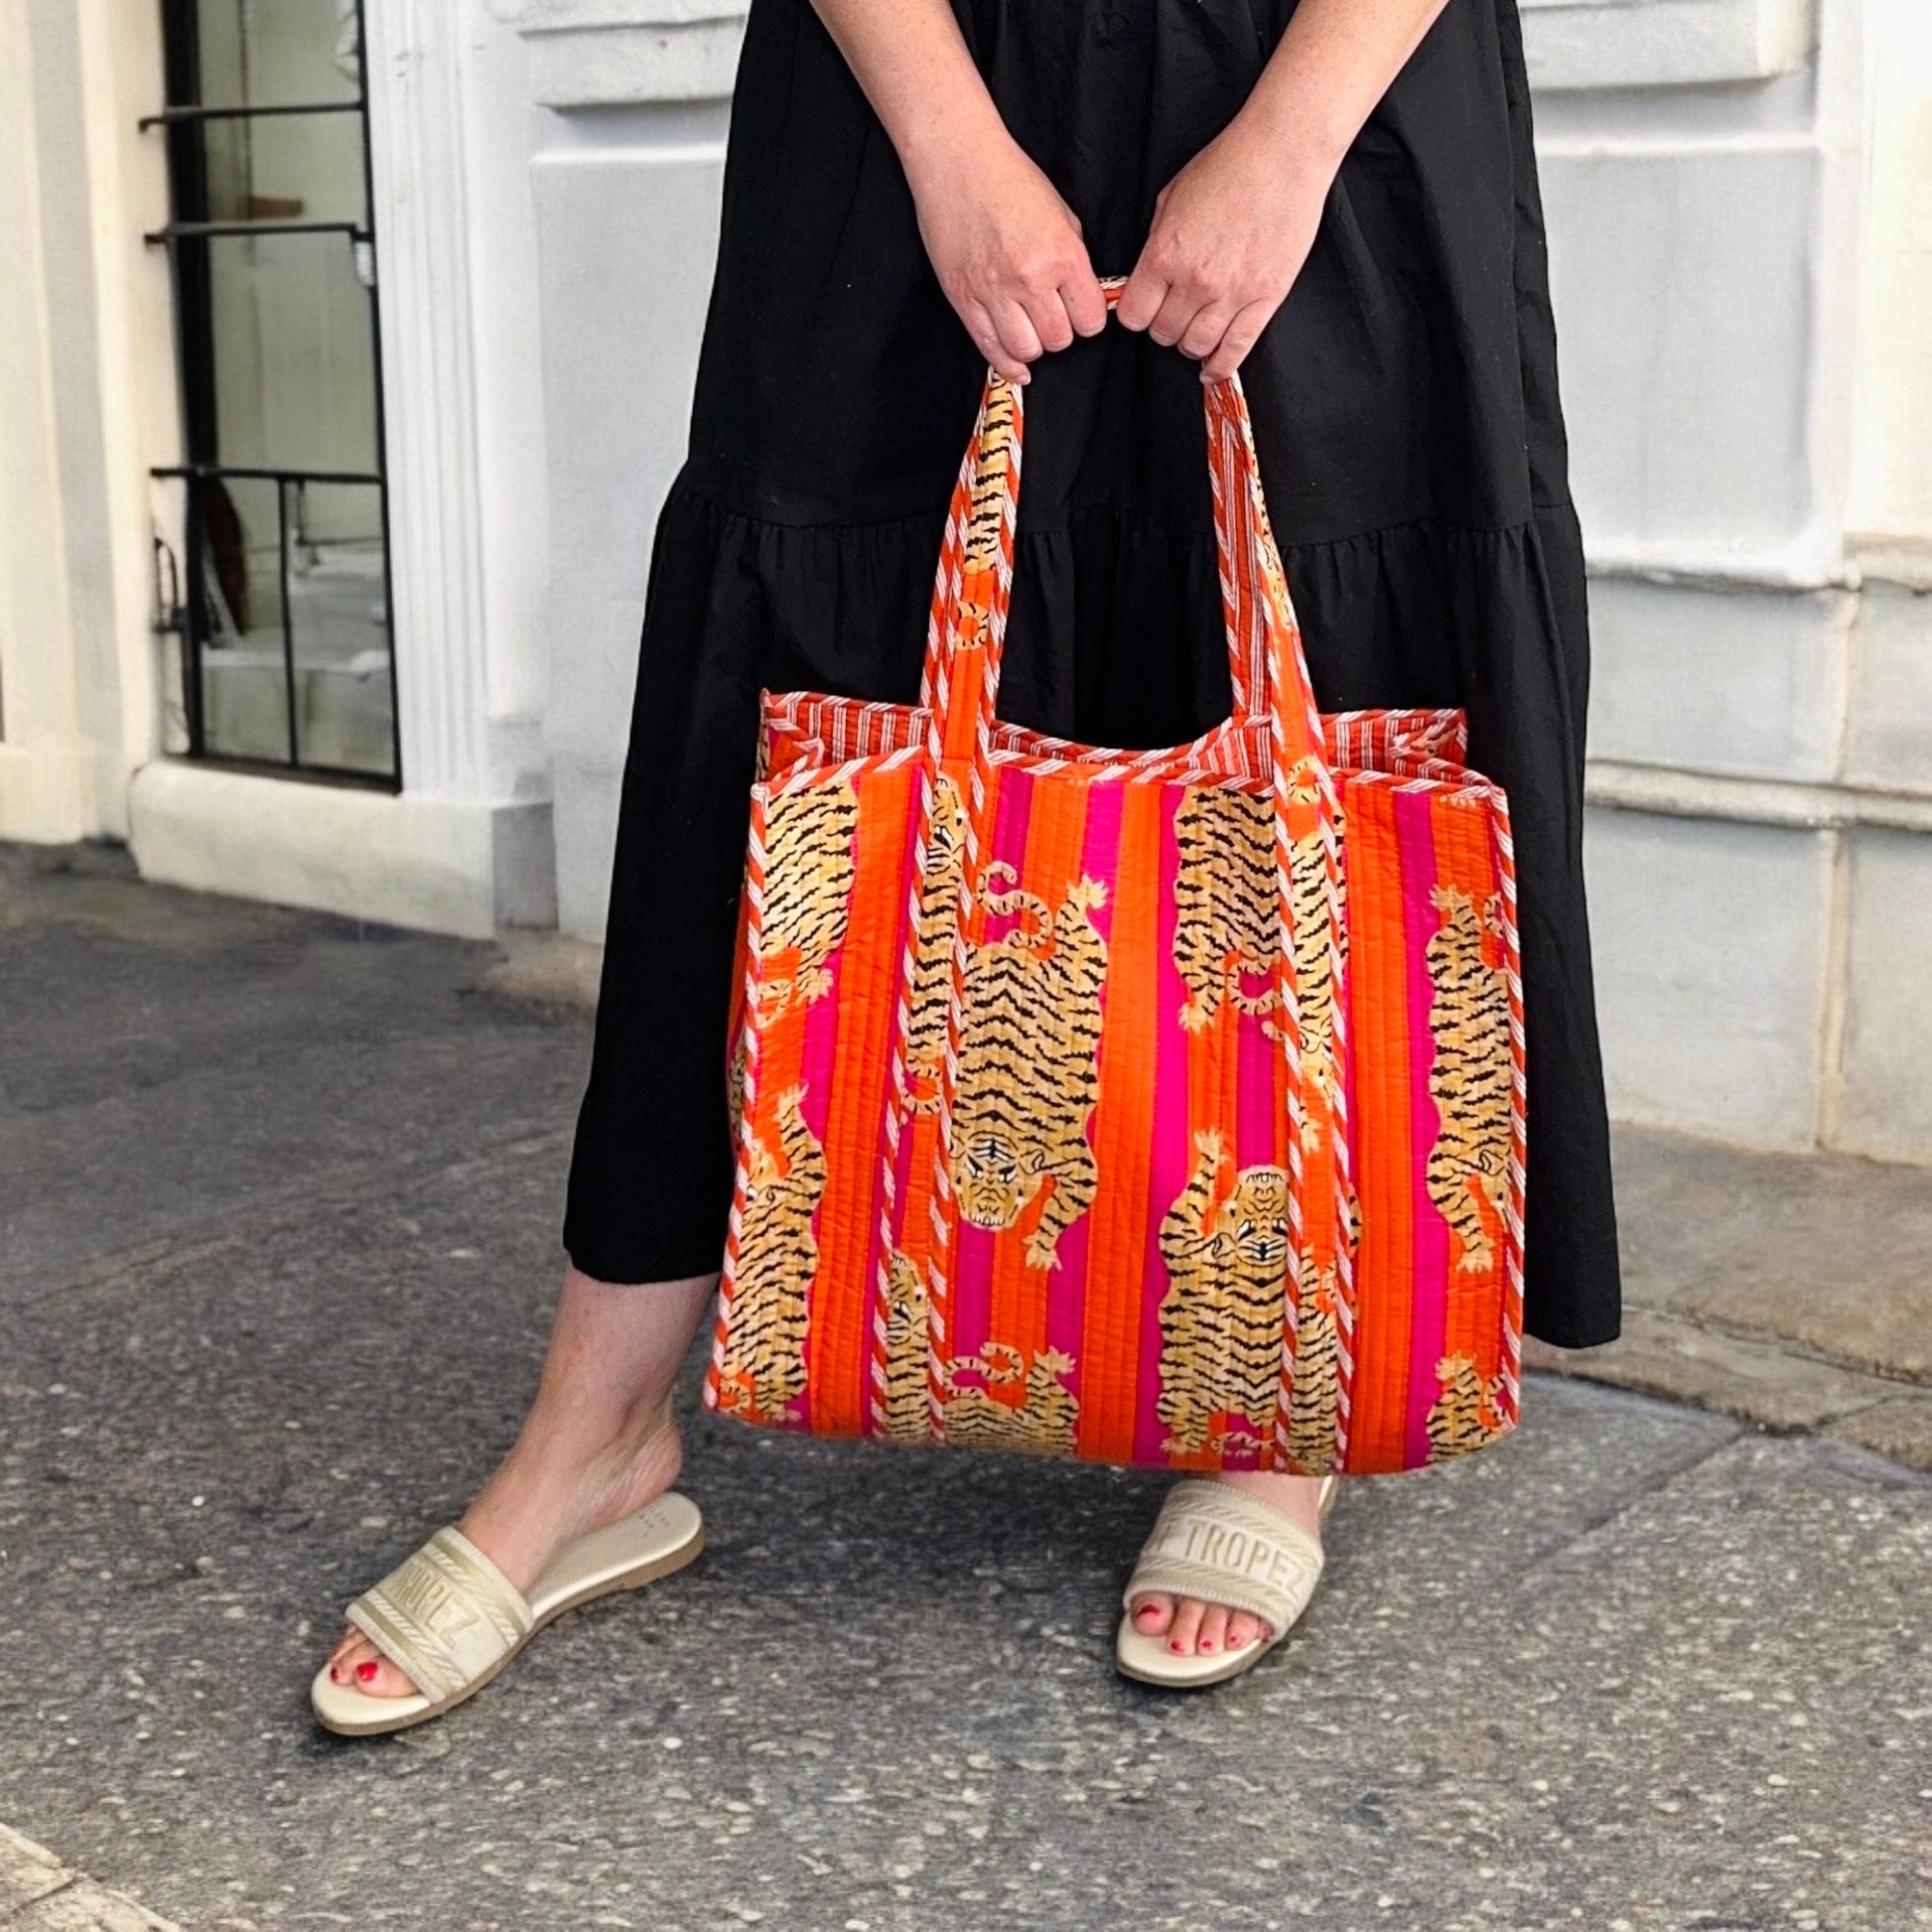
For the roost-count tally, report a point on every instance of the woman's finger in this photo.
(1204, 333)
(1018, 336)
(1050, 320)
(1086, 303)
(1176, 310)
(1141, 299)
(986, 339)
(1240, 336)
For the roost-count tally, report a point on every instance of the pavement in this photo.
(279, 1197)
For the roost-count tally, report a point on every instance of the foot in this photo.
(598, 1445)
(547, 1492)
(1193, 1626)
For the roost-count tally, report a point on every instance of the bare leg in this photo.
(597, 1443)
(1191, 1626)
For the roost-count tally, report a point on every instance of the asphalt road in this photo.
(279, 1200)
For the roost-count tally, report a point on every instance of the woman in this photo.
(1336, 198)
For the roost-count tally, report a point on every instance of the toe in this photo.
(1243, 1630)
(353, 1650)
(1185, 1628)
(363, 1668)
(1153, 1613)
(1212, 1637)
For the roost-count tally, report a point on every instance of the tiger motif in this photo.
(925, 1034)
(1227, 924)
(997, 454)
(1468, 1413)
(1029, 1073)
(808, 875)
(907, 1410)
(1041, 1424)
(1314, 1415)
(1467, 1173)
(764, 1370)
(1223, 1315)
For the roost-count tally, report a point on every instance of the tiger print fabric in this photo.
(763, 1371)
(925, 1038)
(1029, 1075)
(979, 1413)
(1227, 930)
(1469, 1018)
(1159, 1109)
(1470, 1413)
(1221, 1319)
(809, 836)
(906, 1412)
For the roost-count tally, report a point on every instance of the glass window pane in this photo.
(287, 168)
(293, 352)
(244, 682)
(339, 619)
(264, 53)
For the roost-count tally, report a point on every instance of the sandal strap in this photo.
(443, 1617)
(1223, 1547)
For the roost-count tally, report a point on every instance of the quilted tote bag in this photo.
(1154, 1107)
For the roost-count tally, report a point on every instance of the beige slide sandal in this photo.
(1222, 1546)
(448, 1620)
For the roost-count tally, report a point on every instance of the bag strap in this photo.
(969, 608)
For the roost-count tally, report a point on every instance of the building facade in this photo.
(396, 495)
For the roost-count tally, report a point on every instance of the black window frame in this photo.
(186, 237)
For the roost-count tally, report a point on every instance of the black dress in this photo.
(1412, 448)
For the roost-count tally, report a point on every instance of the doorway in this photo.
(284, 612)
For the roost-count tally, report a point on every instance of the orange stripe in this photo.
(1123, 1135)
(1465, 858)
(868, 996)
(1056, 829)
(1378, 1418)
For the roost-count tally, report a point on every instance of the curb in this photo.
(1767, 1382)
(38, 1894)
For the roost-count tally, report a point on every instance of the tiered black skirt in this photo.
(1412, 447)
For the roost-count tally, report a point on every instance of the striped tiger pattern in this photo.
(998, 1198)
(926, 1037)
(908, 1416)
(1225, 1308)
(809, 872)
(764, 1369)
(1029, 1072)
(1227, 925)
(1467, 1171)
(1314, 1416)
(1041, 1423)
(1469, 1414)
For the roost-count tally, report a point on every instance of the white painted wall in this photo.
(628, 166)
(1740, 199)
(1706, 166)
(83, 333)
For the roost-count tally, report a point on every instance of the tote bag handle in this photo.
(972, 593)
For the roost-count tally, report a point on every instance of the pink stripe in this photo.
(972, 1274)
(1170, 1158)
(1256, 1116)
(816, 1061)
(875, 1207)
(1066, 1285)
(1429, 1260)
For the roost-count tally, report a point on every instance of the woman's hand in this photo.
(1230, 234)
(1006, 248)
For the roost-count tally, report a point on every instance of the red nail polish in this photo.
(366, 1672)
